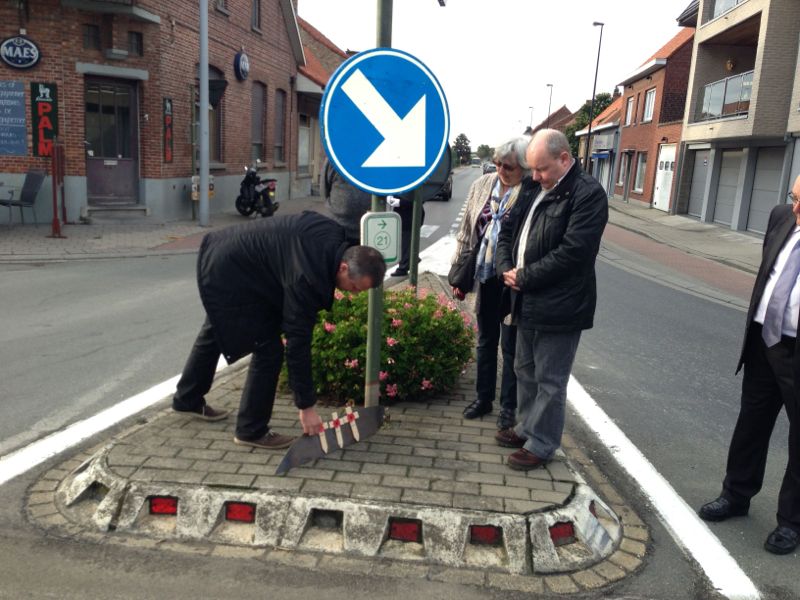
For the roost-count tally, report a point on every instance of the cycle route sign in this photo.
(384, 121)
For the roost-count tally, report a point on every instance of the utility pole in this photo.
(203, 113)
(591, 106)
(549, 102)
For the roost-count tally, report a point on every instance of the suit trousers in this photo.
(543, 363)
(258, 395)
(768, 385)
(492, 331)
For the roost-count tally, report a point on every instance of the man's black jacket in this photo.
(558, 290)
(270, 276)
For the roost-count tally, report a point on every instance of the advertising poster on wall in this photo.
(13, 133)
(167, 130)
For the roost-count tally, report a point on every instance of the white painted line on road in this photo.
(24, 459)
(686, 528)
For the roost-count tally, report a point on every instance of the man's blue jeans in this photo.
(543, 363)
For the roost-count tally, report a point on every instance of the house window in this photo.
(641, 171)
(629, 112)
(255, 15)
(91, 37)
(280, 126)
(623, 168)
(303, 143)
(257, 121)
(222, 5)
(649, 103)
(135, 43)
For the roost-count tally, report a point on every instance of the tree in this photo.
(485, 151)
(601, 102)
(462, 148)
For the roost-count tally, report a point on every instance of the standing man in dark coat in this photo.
(259, 281)
(771, 358)
(546, 257)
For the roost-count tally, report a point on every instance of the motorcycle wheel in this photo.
(245, 208)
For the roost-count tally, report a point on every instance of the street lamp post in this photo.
(591, 106)
(549, 102)
(530, 121)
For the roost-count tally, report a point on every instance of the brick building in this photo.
(651, 121)
(742, 125)
(124, 77)
(604, 143)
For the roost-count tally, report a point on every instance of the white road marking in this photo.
(24, 459)
(686, 528)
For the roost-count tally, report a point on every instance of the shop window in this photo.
(280, 126)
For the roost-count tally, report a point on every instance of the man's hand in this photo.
(458, 294)
(510, 279)
(310, 421)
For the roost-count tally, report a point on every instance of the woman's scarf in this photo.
(499, 207)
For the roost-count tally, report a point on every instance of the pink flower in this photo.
(338, 295)
(330, 327)
(438, 314)
(351, 364)
(284, 341)
(442, 299)
(466, 318)
(383, 375)
(426, 384)
(407, 305)
(391, 311)
(423, 293)
(397, 322)
(391, 390)
(390, 341)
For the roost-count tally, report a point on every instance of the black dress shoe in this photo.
(782, 540)
(477, 409)
(398, 272)
(721, 509)
(522, 460)
(506, 419)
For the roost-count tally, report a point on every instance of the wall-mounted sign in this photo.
(13, 133)
(167, 130)
(44, 117)
(19, 52)
(241, 66)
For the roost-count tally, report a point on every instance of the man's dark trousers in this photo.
(258, 395)
(768, 385)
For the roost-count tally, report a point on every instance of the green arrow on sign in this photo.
(383, 224)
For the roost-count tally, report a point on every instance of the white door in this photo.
(664, 171)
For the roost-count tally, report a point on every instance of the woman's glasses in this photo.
(506, 166)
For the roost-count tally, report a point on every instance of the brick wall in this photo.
(171, 51)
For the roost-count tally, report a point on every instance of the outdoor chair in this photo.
(27, 196)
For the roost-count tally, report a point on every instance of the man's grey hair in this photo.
(554, 141)
(364, 261)
(514, 148)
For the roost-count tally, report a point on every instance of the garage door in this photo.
(728, 184)
(765, 188)
(699, 175)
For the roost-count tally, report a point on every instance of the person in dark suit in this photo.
(771, 358)
(404, 207)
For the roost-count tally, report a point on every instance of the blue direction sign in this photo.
(384, 121)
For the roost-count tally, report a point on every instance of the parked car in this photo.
(488, 167)
(447, 189)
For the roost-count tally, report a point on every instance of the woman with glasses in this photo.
(489, 202)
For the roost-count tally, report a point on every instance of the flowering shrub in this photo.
(427, 342)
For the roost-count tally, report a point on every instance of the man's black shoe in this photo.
(506, 419)
(721, 509)
(477, 409)
(398, 272)
(782, 540)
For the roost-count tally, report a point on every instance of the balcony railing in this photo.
(721, 6)
(725, 98)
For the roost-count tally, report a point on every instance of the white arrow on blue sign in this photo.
(384, 121)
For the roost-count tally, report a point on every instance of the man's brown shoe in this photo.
(509, 439)
(206, 413)
(522, 460)
(270, 441)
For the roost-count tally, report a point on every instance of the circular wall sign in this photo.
(241, 66)
(19, 52)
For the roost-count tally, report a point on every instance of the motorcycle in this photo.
(256, 194)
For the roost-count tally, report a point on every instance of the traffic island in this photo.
(429, 493)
